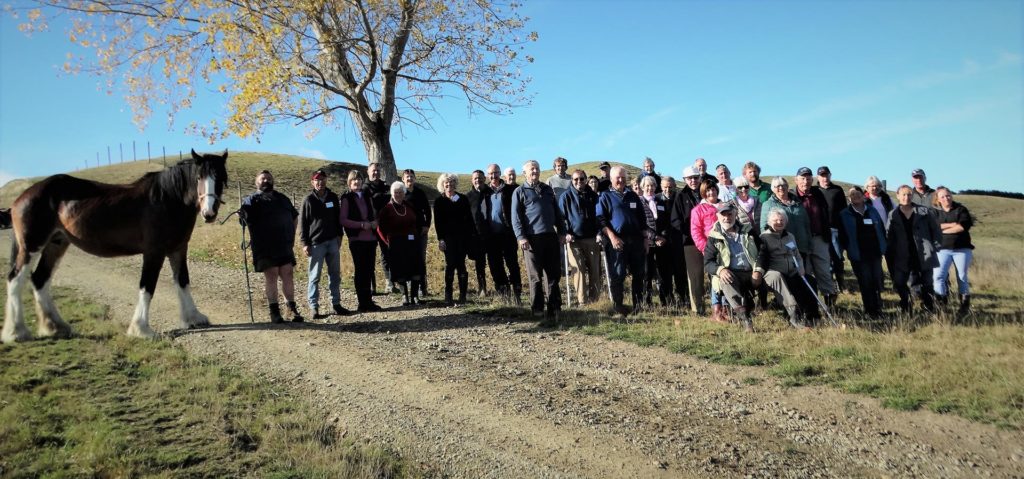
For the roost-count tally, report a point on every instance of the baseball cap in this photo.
(690, 171)
(917, 172)
(604, 165)
(823, 170)
(803, 171)
(318, 174)
(724, 206)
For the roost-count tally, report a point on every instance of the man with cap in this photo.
(648, 170)
(320, 233)
(818, 259)
(730, 257)
(687, 262)
(836, 201)
(922, 194)
(603, 182)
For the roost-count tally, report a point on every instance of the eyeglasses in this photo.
(575, 180)
(742, 187)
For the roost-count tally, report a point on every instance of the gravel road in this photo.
(486, 397)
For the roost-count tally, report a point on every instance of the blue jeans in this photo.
(961, 258)
(326, 252)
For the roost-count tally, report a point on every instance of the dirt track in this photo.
(474, 397)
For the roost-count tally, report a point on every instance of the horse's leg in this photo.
(190, 315)
(49, 323)
(151, 264)
(14, 321)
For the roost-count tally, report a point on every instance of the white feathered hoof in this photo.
(54, 329)
(141, 331)
(198, 320)
(15, 335)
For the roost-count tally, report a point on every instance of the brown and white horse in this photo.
(154, 217)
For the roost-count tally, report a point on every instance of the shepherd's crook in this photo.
(568, 292)
(815, 294)
(245, 257)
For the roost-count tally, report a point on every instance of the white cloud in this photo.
(720, 140)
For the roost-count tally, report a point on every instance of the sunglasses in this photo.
(579, 179)
(742, 187)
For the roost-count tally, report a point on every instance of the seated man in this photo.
(781, 268)
(729, 258)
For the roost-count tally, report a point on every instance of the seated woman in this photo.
(397, 225)
(781, 268)
(729, 257)
(956, 249)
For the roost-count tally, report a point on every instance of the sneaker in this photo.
(340, 310)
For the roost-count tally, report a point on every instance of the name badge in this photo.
(661, 208)
(455, 198)
(330, 204)
(632, 205)
(869, 221)
(791, 245)
(412, 237)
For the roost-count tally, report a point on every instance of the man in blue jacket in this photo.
(579, 211)
(540, 233)
(502, 249)
(623, 222)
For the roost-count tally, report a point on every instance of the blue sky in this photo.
(868, 88)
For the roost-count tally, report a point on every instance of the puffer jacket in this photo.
(702, 218)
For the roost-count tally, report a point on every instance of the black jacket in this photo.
(836, 200)
(777, 252)
(452, 219)
(318, 219)
(271, 219)
(418, 199)
(380, 194)
(686, 200)
(479, 205)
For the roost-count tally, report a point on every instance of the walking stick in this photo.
(245, 246)
(568, 292)
(607, 278)
(815, 294)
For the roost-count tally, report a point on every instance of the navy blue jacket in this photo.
(848, 230)
(579, 211)
(535, 211)
(623, 213)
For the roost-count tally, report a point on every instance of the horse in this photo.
(154, 217)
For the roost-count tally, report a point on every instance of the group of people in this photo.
(743, 238)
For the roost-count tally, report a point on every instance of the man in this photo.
(758, 188)
(380, 194)
(922, 194)
(702, 169)
(579, 211)
(623, 221)
(668, 189)
(510, 177)
(836, 201)
(502, 246)
(479, 204)
(687, 265)
(729, 257)
(540, 232)
(418, 198)
(603, 183)
(726, 190)
(862, 235)
(817, 257)
(272, 220)
(560, 181)
(648, 170)
(320, 233)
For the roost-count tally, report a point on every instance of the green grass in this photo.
(105, 405)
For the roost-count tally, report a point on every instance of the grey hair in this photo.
(398, 185)
(451, 177)
(648, 179)
(778, 212)
(872, 179)
(528, 163)
(778, 180)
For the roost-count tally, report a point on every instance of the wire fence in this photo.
(111, 156)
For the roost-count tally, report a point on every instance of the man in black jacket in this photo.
(479, 197)
(424, 214)
(502, 247)
(380, 194)
(687, 261)
(817, 259)
(320, 233)
(271, 219)
(836, 200)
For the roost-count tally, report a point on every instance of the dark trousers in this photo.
(869, 279)
(543, 268)
(384, 260)
(454, 262)
(423, 257)
(806, 298)
(478, 253)
(502, 252)
(919, 281)
(695, 277)
(677, 258)
(838, 268)
(364, 255)
(632, 259)
(659, 267)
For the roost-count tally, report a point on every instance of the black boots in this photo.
(965, 305)
(296, 317)
(463, 287)
(275, 313)
(414, 291)
(404, 287)
(744, 316)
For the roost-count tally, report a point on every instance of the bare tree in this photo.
(382, 62)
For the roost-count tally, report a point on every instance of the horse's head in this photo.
(212, 177)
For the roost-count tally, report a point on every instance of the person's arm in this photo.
(697, 229)
(519, 219)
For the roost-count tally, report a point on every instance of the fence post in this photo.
(133, 151)
(108, 155)
(165, 155)
(149, 156)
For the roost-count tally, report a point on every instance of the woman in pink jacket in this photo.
(702, 218)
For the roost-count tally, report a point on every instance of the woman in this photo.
(956, 248)
(913, 238)
(877, 198)
(781, 269)
(453, 224)
(748, 207)
(398, 226)
(593, 182)
(659, 259)
(702, 218)
(358, 220)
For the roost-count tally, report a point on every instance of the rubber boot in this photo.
(794, 318)
(717, 314)
(830, 301)
(414, 292)
(404, 288)
(965, 305)
(296, 316)
(275, 313)
(463, 288)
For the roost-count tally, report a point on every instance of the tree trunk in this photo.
(377, 142)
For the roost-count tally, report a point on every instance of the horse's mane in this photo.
(175, 184)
